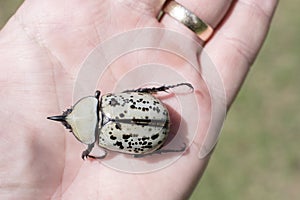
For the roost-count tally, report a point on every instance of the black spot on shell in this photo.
(118, 126)
(157, 109)
(132, 106)
(145, 109)
(153, 137)
(126, 136)
(145, 138)
(113, 137)
(166, 124)
(155, 102)
(113, 102)
(121, 115)
(119, 144)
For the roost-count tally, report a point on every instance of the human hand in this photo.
(42, 47)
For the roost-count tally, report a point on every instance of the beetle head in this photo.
(82, 119)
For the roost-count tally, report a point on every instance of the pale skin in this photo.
(41, 49)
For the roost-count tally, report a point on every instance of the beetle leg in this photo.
(163, 88)
(160, 151)
(86, 153)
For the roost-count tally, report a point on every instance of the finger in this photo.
(238, 40)
(208, 12)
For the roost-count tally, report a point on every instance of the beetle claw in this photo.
(84, 155)
(86, 152)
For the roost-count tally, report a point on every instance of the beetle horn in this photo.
(60, 118)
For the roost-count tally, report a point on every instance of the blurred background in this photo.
(258, 154)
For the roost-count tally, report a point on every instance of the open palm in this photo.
(42, 47)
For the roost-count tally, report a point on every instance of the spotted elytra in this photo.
(133, 121)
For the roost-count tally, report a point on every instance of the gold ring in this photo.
(189, 19)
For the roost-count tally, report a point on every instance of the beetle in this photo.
(132, 122)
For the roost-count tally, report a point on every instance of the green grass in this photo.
(258, 153)
(8, 8)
